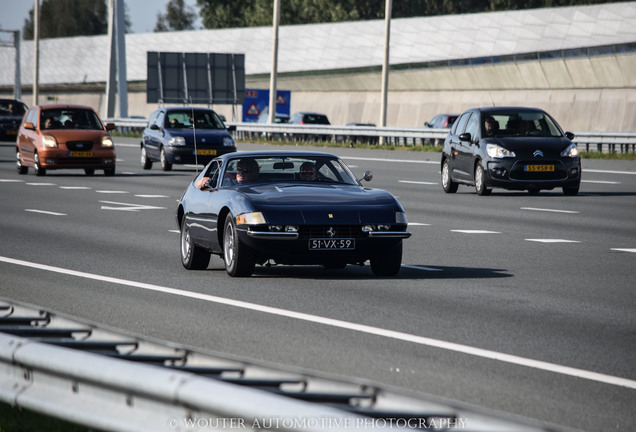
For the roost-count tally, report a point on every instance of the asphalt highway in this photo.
(523, 304)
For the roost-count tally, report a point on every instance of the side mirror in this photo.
(231, 128)
(154, 127)
(368, 176)
(465, 137)
(110, 126)
(29, 125)
(569, 135)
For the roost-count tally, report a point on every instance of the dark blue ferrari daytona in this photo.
(290, 208)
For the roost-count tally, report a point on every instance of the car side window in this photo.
(153, 118)
(473, 125)
(29, 116)
(213, 173)
(159, 121)
(460, 125)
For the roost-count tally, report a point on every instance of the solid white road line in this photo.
(464, 349)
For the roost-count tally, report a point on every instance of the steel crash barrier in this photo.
(602, 142)
(109, 380)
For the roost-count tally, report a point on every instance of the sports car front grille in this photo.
(79, 145)
(330, 231)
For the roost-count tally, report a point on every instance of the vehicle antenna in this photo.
(194, 136)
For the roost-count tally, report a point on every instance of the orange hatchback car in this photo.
(64, 137)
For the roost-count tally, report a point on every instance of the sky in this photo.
(142, 13)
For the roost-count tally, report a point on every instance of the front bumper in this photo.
(294, 247)
(512, 174)
(186, 155)
(63, 159)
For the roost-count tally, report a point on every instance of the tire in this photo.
(37, 168)
(109, 172)
(21, 168)
(165, 165)
(480, 181)
(534, 191)
(571, 191)
(238, 258)
(448, 184)
(193, 257)
(89, 171)
(146, 163)
(389, 263)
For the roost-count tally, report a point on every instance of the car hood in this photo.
(322, 203)
(524, 146)
(64, 135)
(207, 136)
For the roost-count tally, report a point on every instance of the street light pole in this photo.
(385, 64)
(36, 53)
(273, 75)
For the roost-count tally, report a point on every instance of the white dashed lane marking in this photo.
(475, 232)
(553, 241)
(45, 212)
(549, 210)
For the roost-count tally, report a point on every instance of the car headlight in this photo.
(177, 141)
(495, 151)
(107, 142)
(253, 218)
(228, 142)
(49, 141)
(571, 151)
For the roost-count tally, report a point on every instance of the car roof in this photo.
(184, 108)
(63, 106)
(275, 153)
(507, 108)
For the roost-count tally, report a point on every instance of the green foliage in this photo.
(177, 17)
(17, 420)
(217, 14)
(65, 18)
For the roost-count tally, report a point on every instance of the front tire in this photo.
(571, 191)
(448, 184)
(193, 257)
(37, 168)
(389, 263)
(239, 258)
(480, 181)
(146, 163)
(89, 171)
(21, 168)
(165, 165)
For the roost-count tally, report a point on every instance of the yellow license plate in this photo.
(80, 154)
(206, 152)
(539, 168)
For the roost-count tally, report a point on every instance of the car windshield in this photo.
(69, 118)
(202, 120)
(521, 123)
(12, 108)
(287, 169)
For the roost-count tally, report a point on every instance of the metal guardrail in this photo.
(603, 142)
(112, 381)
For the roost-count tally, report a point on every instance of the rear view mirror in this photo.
(465, 137)
(110, 126)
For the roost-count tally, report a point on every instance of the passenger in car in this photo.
(491, 126)
(247, 171)
(307, 171)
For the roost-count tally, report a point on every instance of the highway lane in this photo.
(545, 278)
